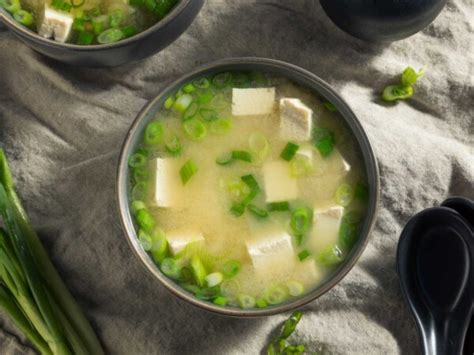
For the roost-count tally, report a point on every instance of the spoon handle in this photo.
(444, 338)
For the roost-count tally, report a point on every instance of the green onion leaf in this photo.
(224, 159)
(330, 106)
(195, 129)
(23, 17)
(199, 271)
(348, 234)
(220, 301)
(261, 303)
(214, 279)
(302, 255)
(85, 38)
(129, 31)
(397, 92)
(276, 295)
(278, 206)
(241, 155)
(145, 220)
(330, 256)
(300, 165)
(324, 141)
(136, 206)
(257, 212)
(169, 102)
(182, 102)
(187, 171)
(202, 83)
(189, 88)
(301, 221)
(170, 268)
(140, 190)
(410, 76)
(159, 246)
(246, 301)
(110, 36)
(205, 97)
(191, 111)
(361, 192)
(116, 17)
(208, 114)
(231, 268)
(222, 80)
(12, 6)
(237, 209)
(295, 288)
(344, 195)
(141, 174)
(289, 151)
(145, 240)
(290, 325)
(221, 126)
(137, 160)
(173, 145)
(154, 133)
(251, 182)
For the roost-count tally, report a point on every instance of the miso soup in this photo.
(247, 190)
(87, 22)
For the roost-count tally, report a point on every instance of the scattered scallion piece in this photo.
(170, 268)
(280, 345)
(129, 31)
(111, 35)
(231, 268)
(205, 97)
(12, 6)
(221, 126)
(214, 279)
(208, 115)
(187, 171)
(237, 209)
(85, 38)
(199, 271)
(182, 102)
(241, 155)
(246, 301)
(139, 191)
(330, 106)
(324, 141)
(169, 102)
(23, 17)
(154, 133)
(251, 182)
(159, 246)
(330, 256)
(195, 129)
(295, 288)
(257, 212)
(189, 88)
(137, 160)
(220, 301)
(173, 145)
(145, 220)
(276, 295)
(301, 221)
(191, 111)
(278, 206)
(344, 195)
(289, 151)
(136, 206)
(410, 76)
(202, 83)
(300, 165)
(304, 254)
(405, 89)
(224, 159)
(221, 80)
(116, 17)
(145, 240)
(258, 145)
(261, 303)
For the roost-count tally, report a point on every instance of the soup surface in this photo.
(86, 22)
(247, 190)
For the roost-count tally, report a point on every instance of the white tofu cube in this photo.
(167, 186)
(306, 151)
(271, 252)
(296, 120)
(337, 164)
(325, 231)
(180, 239)
(55, 24)
(279, 185)
(248, 102)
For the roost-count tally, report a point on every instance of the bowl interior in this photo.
(301, 77)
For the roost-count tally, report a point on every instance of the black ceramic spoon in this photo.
(435, 260)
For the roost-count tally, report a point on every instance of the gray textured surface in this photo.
(62, 128)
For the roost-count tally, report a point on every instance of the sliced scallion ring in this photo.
(111, 35)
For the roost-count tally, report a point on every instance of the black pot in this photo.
(144, 44)
(382, 20)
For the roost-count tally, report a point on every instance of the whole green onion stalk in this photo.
(31, 291)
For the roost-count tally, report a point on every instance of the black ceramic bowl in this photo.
(297, 75)
(134, 48)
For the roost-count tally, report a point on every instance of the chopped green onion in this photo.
(397, 92)
(85, 38)
(163, 7)
(159, 247)
(188, 286)
(289, 151)
(173, 145)
(302, 255)
(145, 240)
(191, 111)
(23, 17)
(187, 277)
(150, 5)
(231, 268)
(348, 234)
(199, 271)
(300, 165)
(361, 192)
(136, 206)
(145, 220)
(169, 102)
(170, 268)
(257, 212)
(99, 23)
(208, 114)
(241, 80)
(187, 171)
(330, 106)
(189, 88)
(246, 301)
(344, 195)
(12, 6)
(137, 160)
(237, 189)
(324, 141)
(129, 31)
(154, 133)
(290, 325)
(278, 206)
(221, 126)
(241, 155)
(330, 256)
(220, 301)
(195, 129)
(208, 293)
(214, 279)
(202, 83)
(224, 159)
(220, 102)
(237, 209)
(182, 102)
(261, 303)
(205, 97)
(116, 17)
(258, 145)
(221, 80)
(276, 295)
(251, 182)
(295, 288)
(110, 36)
(410, 76)
(61, 5)
(139, 191)
(140, 174)
(301, 220)
(352, 217)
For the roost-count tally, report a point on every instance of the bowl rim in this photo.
(11, 23)
(317, 85)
